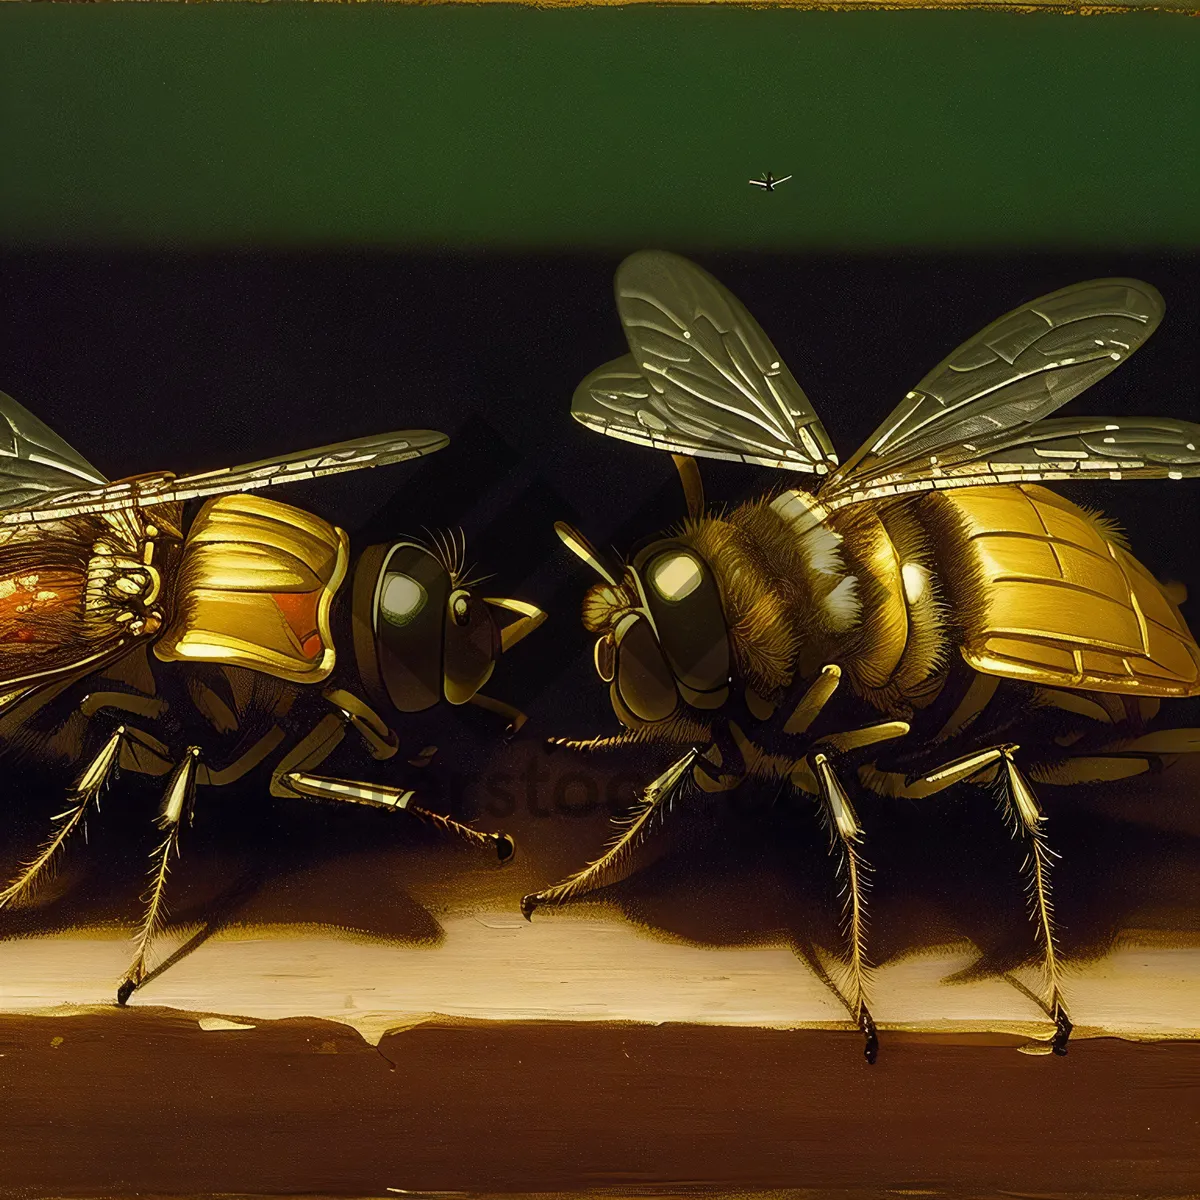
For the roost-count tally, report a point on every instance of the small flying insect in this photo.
(768, 182)
(126, 629)
(931, 614)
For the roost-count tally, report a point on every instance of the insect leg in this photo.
(380, 738)
(516, 718)
(628, 737)
(814, 699)
(177, 802)
(594, 875)
(846, 830)
(1028, 818)
(291, 776)
(378, 795)
(87, 788)
(530, 618)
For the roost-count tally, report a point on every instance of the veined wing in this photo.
(1008, 377)
(34, 461)
(1054, 449)
(703, 378)
(374, 451)
(617, 400)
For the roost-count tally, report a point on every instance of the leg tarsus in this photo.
(1063, 1028)
(870, 1034)
(124, 992)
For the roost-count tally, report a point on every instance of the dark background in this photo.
(145, 361)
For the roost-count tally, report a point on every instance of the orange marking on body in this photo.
(300, 611)
(51, 595)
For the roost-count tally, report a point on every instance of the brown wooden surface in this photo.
(146, 1102)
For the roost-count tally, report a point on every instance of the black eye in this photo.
(686, 605)
(400, 595)
(643, 677)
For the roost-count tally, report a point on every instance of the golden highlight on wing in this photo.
(1107, 448)
(703, 378)
(374, 451)
(1011, 376)
(34, 461)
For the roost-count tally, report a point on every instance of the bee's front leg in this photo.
(293, 777)
(655, 798)
(378, 795)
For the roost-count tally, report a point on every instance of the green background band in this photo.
(298, 125)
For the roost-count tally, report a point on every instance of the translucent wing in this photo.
(703, 378)
(1059, 448)
(1006, 378)
(34, 461)
(375, 451)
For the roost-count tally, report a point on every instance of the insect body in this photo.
(124, 627)
(931, 614)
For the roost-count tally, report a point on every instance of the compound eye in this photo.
(606, 659)
(402, 599)
(675, 576)
(460, 607)
(644, 682)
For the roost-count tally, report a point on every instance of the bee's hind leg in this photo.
(1027, 816)
(177, 802)
(81, 796)
(1025, 813)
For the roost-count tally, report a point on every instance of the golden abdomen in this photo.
(1046, 594)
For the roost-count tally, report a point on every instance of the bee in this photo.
(126, 627)
(930, 614)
